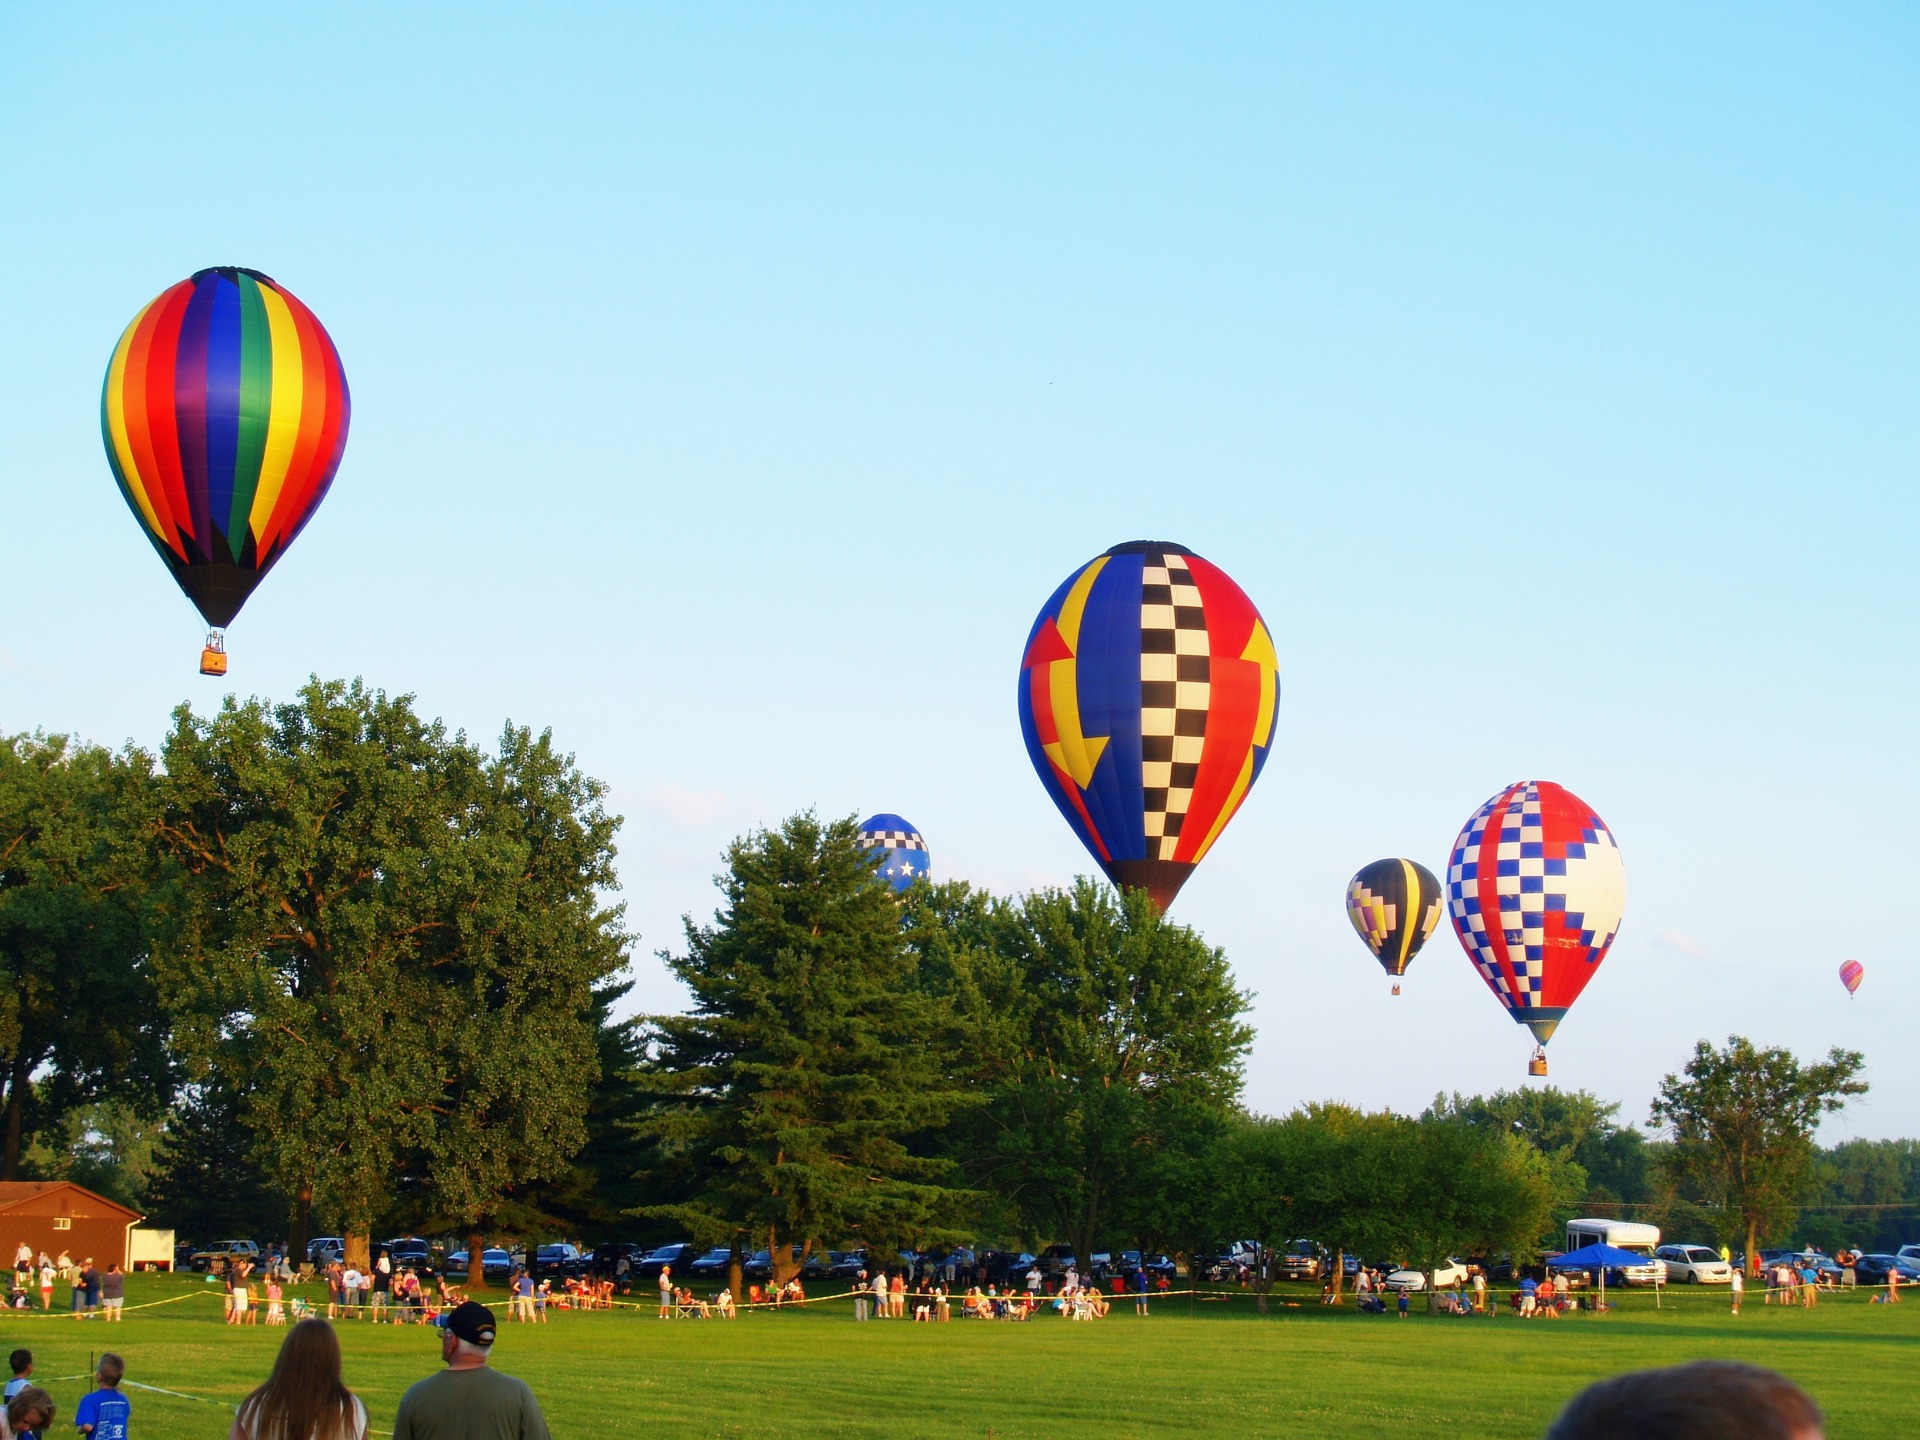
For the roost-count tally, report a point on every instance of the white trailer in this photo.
(149, 1249)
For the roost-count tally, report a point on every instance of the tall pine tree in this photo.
(787, 1097)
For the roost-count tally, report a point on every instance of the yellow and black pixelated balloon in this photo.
(1394, 906)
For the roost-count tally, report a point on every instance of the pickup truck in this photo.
(216, 1258)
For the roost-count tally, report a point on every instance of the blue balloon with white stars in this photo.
(900, 854)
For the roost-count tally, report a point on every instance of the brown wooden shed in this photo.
(56, 1215)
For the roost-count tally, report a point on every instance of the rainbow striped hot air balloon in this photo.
(224, 414)
(1148, 695)
(1852, 973)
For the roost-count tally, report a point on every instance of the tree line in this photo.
(325, 963)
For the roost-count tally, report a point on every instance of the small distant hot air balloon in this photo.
(1851, 974)
(1148, 693)
(900, 856)
(1536, 889)
(224, 414)
(1394, 906)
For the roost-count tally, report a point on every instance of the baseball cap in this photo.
(472, 1322)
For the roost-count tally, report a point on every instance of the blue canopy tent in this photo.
(1598, 1257)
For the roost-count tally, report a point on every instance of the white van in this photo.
(1622, 1235)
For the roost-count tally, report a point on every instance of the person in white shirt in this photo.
(351, 1284)
(882, 1303)
(1737, 1286)
(1033, 1280)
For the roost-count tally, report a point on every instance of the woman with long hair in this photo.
(304, 1398)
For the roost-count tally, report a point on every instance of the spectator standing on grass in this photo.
(469, 1400)
(860, 1293)
(1737, 1287)
(103, 1413)
(382, 1285)
(304, 1398)
(666, 1292)
(351, 1284)
(90, 1278)
(881, 1309)
(1140, 1290)
(1033, 1281)
(46, 1282)
(113, 1291)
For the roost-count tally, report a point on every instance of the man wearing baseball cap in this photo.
(469, 1400)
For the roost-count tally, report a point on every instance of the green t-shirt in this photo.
(477, 1404)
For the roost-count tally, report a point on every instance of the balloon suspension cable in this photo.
(213, 656)
(1537, 1066)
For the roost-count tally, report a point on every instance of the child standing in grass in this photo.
(104, 1413)
(274, 1314)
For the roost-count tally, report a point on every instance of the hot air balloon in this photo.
(224, 415)
(1394, 906)
(1851, 974)
(1536, 888)
(1148, 693)
(900, 854)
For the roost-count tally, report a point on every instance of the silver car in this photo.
(1695, 1265)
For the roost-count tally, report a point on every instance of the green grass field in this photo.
(1210, 1367)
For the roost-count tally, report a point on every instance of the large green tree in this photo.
(386, 942)
(78, 1022)
(1741, 1120)
(1114, 1067)
(512, 1004)
(785, 1101)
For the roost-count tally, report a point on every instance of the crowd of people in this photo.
(91, 1291)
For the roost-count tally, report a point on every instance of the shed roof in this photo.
(18, 1192)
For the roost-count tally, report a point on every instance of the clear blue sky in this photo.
(731, 385)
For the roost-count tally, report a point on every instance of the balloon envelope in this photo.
(1851, 974)
(1536, 889)
(1148, 693)
(1394, 906)
(224, 415)
(900, 855)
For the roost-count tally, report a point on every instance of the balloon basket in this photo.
(1537, 1066)
(213, 656)
(1396, 989)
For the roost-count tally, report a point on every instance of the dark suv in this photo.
(680, 1257)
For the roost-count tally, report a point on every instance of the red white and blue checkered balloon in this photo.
(1536, 888)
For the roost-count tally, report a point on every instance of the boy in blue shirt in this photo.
(103, 1413)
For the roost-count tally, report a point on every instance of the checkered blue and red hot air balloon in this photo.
(900, 854)
(1852, 973)
(224, 414)
(1536, 889)
(1148, 694)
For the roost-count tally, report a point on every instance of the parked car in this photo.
(559, 1260)
(711, 1265)
(326, 1250)
(1828, 1269)
(1909, 1252)
(409, 1250)
(1446, 1273)
(1154, 1265)
(1694, 1265)
(606, 1259)
(1055, 1260)
(679, 1256)
(846, 1264)
(1302, 1260)
(1873, 1269)
(216, 1258)
(495, 1263)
